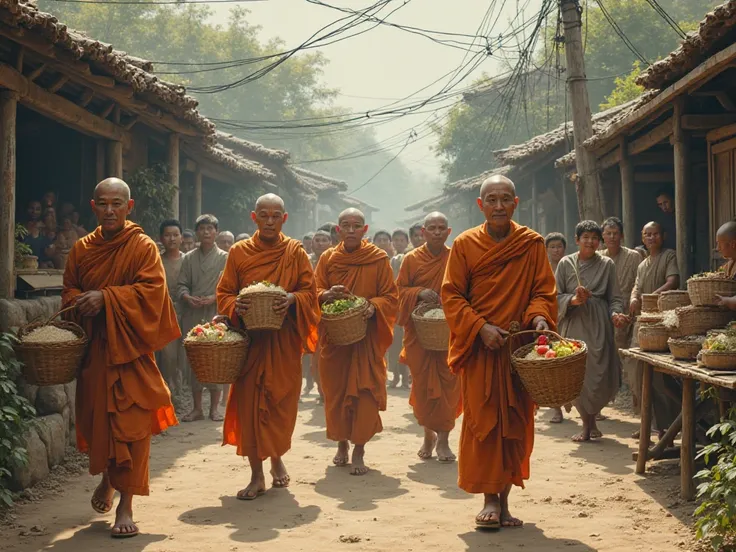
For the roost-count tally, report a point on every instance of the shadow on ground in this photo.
(90, 537)
(359, 493)
(443, 477)
(529, 537)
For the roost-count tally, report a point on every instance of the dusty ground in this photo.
(580, 498)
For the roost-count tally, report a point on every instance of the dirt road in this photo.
(580, 498)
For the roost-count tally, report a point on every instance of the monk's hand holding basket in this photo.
(335, 293)
(282, 304)
(430, 296)
(540, 324)
(493, 337)
(90, 303)
(242, 304)
(369, 311)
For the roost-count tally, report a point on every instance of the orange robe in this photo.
(435, 391)
(496, 283)
(354, 376)
(121, 397)
(263, 402)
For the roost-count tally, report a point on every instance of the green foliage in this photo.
(153, 193)
(626, 89)
(21, 249)
(716, 515)
(15, 415)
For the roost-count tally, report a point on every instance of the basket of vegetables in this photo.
(343, 320)
(685, 348)
(51, 351)
(432, 329)
(719, 351)
(704, 288)
(216, 352)
(552, 368)
(260, 315)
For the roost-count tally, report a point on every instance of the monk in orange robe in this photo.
(497, 274)
(354, 376)
(263, 402)
(435, 391)
(116, 280)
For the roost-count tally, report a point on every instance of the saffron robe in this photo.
(435, 391)
(497, 283)
(121, 397)
(263, 402)
(353, 377)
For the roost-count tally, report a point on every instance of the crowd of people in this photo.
(134, 298)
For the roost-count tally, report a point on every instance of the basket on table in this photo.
(650, 318)
(217, 361)
(433, 333)
(347, 327)
(551, 382)
(669, 300)
(685, 348)
(703, 291)
(653, 337)
(260, 315)
(718, 360)
(51, 363)
(694, 320)
(649, 302)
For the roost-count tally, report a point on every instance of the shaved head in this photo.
(435, 215)
(652, 226)
(112, 185)
(352, 212)
(270, 200)
(495, 181)
(727, 230)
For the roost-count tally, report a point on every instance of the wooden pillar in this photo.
(535, 218)
(565, 207)
(626, 168)
(8, 111)
(100, 171)
(114, 159)
(681, 143)
(687, 447)
(646, 419)
(173, 166)
(197, 192)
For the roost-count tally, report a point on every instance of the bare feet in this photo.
(444, 452)
(557, 416)
(490, 516)
(103, 495)
(215, 415)
(255, 488)
(342, 457)
(507, 520)
(124, 526)
(359, 467)
(582, 436)
(281, 477)
(430, 441)
(194, 416)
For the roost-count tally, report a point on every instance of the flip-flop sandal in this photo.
(446, 460)
(490, 524)
(218, 418)
(124, 535)
(101, 510)
(247, 496)
(281, 484)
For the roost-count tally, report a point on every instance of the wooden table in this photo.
(689, 372)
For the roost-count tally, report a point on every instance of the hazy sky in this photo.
(385, 64)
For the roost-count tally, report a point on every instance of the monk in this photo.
(435, 391)
(354, 376)
(726, 246)
(497, 274)
(115, 279)
(263, 402)
(321, 242)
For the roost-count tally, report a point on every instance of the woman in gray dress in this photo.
(590, 304)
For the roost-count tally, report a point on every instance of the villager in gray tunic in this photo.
(592, 324)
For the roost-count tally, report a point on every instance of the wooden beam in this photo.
(33, 75)
(683, 204)
(707, 122)
(116, 115)
(535, 222)
(58, 83)
(720, 133)
(173, 166)
(114, 159)
(687, 448)
(19, 59)
(8, 111)
(652, 158)
(651, 138)
(197, 192)
(86, 97)
(657, 177)
(610, 159)
(58, 108)
(721, 95)
(130, 123)
(106, 112)
(627, 195)
(100, 170)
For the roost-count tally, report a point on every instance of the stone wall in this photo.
(54, 428)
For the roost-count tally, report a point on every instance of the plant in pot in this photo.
(24, 257)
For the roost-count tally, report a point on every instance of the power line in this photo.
(668, 19)
(626, 40)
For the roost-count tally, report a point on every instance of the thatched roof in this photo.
(473, 182)
(614, 125)
(105, 60)
(252, 149)
(228, 158)
(424, 202)
(320, 182)
(351, 201)
(716, 31)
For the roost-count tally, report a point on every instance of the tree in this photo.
(626, 89)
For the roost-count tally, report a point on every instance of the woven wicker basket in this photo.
(51, 363)
(653, 337)
(718, 360)
(347, 327)
(433, 333)
(685, 349)
(260, 315)
(698, 320)
(649, 302)
(703, 291)
(214, 362)
(650, 318)
(551, 382)
(672, 299)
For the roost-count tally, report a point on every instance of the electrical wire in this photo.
(626, 40)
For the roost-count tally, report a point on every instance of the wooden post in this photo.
(646, 418)
(114, 159)
(197, 192)
(100, 171)
(592, 207)
(687, 447)
(681, 143)
(173, 166)
(565, 207)
(627, 195)
(535, 214)
(8, 111)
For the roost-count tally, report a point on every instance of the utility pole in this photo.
(590, 193)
